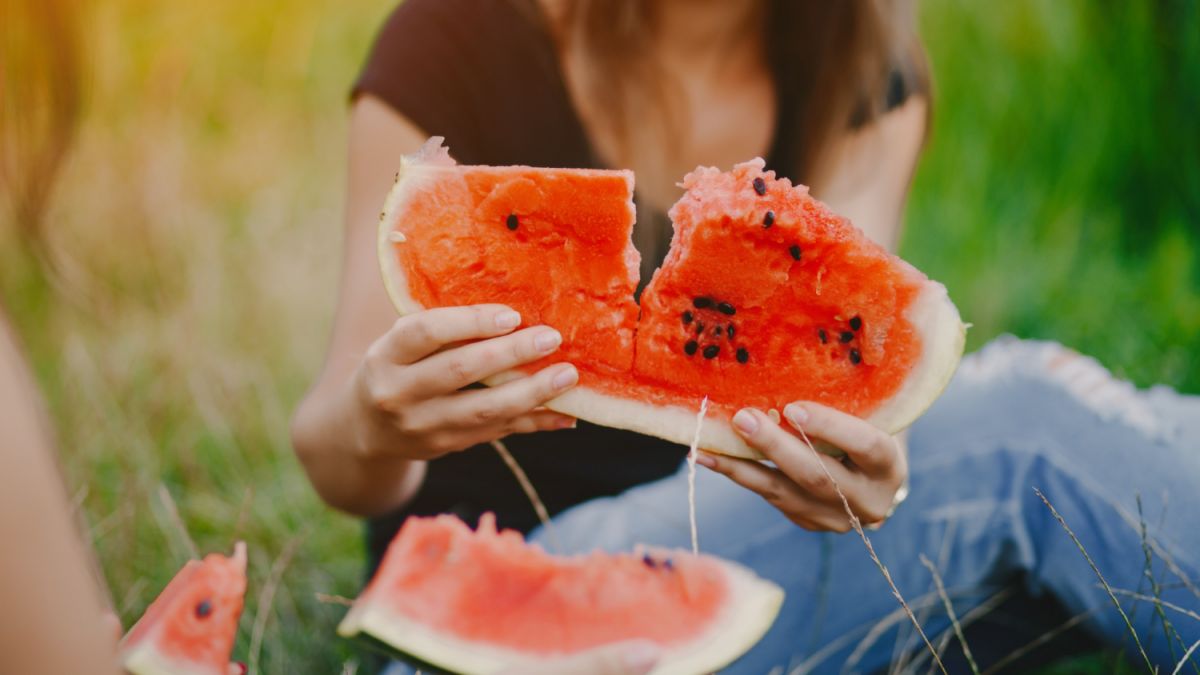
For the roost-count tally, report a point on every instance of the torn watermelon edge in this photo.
(932, 314)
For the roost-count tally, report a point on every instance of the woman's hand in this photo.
(870, 475)
(408, 387)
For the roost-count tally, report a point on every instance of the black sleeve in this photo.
(423, 64)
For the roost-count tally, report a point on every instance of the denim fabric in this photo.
(1018, 415)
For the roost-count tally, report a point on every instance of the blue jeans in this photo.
(1018, 416)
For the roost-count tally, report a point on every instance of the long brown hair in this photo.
(835, 59)
(40, 102)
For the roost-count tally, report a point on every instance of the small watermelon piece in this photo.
(190, 627)
(478, 601)
(765, 297)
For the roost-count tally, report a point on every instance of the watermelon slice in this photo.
(476, 602)
(190, 627)
(766, 296)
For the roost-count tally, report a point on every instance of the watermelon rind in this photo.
(754, 604)
(146, 660)
(932, 314)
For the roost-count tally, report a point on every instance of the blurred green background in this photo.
(191, 246)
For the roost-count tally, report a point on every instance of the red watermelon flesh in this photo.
(190, 627)
(475, 602)
(766, 296)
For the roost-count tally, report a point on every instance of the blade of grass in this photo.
(1096, 571)
(1186, 656)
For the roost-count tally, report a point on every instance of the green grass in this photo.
(193, 228)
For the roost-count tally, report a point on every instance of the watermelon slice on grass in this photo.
(765, 297)
(190, 627)
(479, 601)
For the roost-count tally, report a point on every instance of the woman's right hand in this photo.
(410, 401)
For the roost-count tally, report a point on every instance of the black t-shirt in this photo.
(485, 74)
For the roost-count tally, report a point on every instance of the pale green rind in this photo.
(144, 659)
(754, 604)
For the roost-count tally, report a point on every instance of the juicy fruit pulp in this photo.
(489, 593)
(191, 626)
(766, 296)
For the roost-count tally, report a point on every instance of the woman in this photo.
(834, 95)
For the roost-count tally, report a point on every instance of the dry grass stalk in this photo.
(266, 599)
(941, 590)
(1037, 642)
(1186, 656)
(530, 491)
(1103, 582)
(857, 525)
(168, 502)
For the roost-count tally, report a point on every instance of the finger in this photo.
(627, 658)
(487, 407)
(869, 448)
(456, 368)
(112, 623)
(439, 443)
(773, 486)
(792, 455)
(415, 336)
(531, 423)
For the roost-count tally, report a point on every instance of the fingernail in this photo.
(565, 378)
(547, 340)
(795, 414)
(706, 460)
(641, 657)
(745, 421)
(567, 423)
(509, 319)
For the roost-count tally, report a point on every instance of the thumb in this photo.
(635, 657)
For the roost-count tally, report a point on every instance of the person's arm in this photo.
(48, 587)
(389, 396)
(871, 169)
(869, 183)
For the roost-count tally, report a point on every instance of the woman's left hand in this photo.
(870, 475)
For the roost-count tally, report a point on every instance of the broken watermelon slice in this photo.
(766, 296)
(478, 602)
(190, 627)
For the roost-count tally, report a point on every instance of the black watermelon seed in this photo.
(855, 323)
(795, 251)
(769, 219)
(690, 348)
(648, 561)
(855, 357)
(742, 355)
(668, 565)
(726, 309)
(687, 317)
(711, 351)
(760, 186)
(729, 331)
(845, 337)
(702, 302)
(699, 327)
(717, 331)
(822, 336)
(204, 608)
(511, 222)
